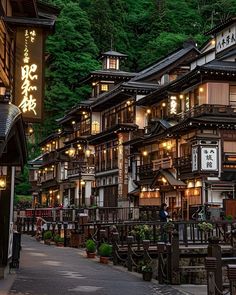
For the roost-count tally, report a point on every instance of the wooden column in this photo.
(5, 203)
(214, 250)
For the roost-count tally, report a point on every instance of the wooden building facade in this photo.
(22, 27)
(165, 134)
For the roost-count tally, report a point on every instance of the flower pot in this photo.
(91, 254)
(147, 276)
(104, 259)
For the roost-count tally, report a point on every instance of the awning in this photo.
(171, 180)
(12, 136)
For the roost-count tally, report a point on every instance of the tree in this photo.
(72, 55)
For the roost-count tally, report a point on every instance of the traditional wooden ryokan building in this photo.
(22, 31)
(165, 134)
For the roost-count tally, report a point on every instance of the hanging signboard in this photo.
(29, 67)
(209, 158)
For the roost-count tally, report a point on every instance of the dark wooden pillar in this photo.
(5, 203)
(214, 250)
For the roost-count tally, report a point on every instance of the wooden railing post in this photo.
(174, 259)
(65, 226)
(59, 228)
(130, 240)
(210, 265)
(115, 239)
(146, 245)
(214, 250)
(53, 228)
(232, 278)
(161, 247)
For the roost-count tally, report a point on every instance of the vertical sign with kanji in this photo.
(195, 158)
(209, 158)
(28, 74)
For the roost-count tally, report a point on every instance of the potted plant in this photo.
(58, 240)
(90, 248)
(47, 237)
(147, 272)
(105, 251)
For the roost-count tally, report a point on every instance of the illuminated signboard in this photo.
(28, 79)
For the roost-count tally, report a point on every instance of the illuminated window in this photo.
(104, 87)
(112, 63)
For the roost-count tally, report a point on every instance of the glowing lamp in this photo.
(3, 182)
(71, 152)
(145, 153)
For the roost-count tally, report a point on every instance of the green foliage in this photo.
(72, 55)
(142, 232)
(146, 268)
(23, 187)
(58, 239)
(105, 250)
(168, 227)
(205, 226)
(47, 235)
(229, 217)
(90, 246)
(146, 30)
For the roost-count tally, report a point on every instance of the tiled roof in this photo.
(113, 53)
(9, 113)
(164, 62)
(220, 65)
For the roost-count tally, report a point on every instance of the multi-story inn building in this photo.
(165, 134)
(23, 26)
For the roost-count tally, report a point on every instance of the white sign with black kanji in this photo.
(209, 158)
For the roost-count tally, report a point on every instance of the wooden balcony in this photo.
(82, 170)
(183, 164)
(163, 163)
(50, 175)
(50, 158)
(148, 170)
(207, 110)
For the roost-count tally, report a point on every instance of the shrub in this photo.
(142, 232)
(205, 226)
(90, 246)
(146, 268)
(58, 239)
(105, 250)
(168, 227)
(47, 235)
(229, 217)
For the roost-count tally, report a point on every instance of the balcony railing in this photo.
(81, 170)
(163, 163)
(207, 109)
(183, 164)
(50, 158)
(145, 170)
(50, 175)
(198, 111)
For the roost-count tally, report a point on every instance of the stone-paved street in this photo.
(56, 271)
